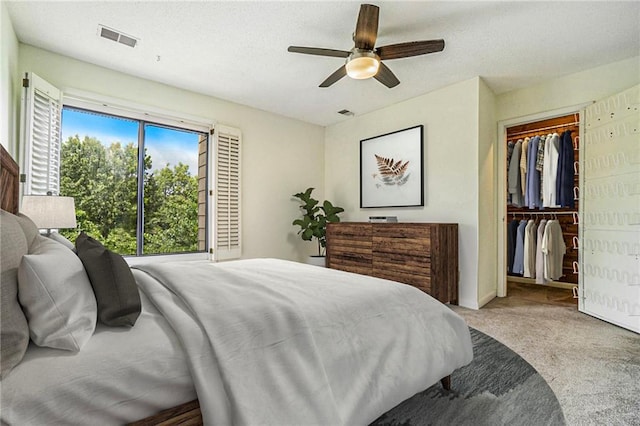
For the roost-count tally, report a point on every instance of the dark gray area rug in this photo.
(497, 388)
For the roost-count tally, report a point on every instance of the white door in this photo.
(610, 210)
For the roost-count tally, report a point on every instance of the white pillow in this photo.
(56, 296)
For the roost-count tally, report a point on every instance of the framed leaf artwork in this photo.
(391, 170)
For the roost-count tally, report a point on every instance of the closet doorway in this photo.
(528, 204)
(607, 269)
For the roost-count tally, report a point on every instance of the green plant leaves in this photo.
(313, 223)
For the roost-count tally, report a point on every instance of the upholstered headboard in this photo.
(9, 182)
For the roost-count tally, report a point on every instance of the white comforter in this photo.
(120, 375)
(282, 343)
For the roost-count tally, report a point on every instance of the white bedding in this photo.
(282, 343)
(120, 375)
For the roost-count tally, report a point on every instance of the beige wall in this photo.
(9, 83)
(281, 156)
(487, 219)
(450, 119)
(573, 89)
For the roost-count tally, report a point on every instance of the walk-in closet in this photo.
(596, 205)
(542, 199)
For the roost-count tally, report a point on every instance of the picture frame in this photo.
(391, 169)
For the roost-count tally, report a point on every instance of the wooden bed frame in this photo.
(9, 182)
(185, 414)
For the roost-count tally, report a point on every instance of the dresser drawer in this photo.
(420, 281)
(423, 255)
(405, 230)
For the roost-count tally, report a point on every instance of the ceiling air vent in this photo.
(117, 36)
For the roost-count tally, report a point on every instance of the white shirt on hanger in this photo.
(530, 249)
(550, 171)
(553, 249)
(539, 255)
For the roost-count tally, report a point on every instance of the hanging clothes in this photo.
(513, 177)
(553, 249)
(512, 233)
(539, 254)
(518, 258)
(550, 171)
(565, 181)
(542, 167)
(540, 162)
(530, 249)
(523, 169)
(510, 146)
(532, 197)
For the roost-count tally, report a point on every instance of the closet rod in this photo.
(541, 129)
(543, 213)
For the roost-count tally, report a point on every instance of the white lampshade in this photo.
(50, 211)
(362, 64)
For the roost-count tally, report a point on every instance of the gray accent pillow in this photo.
(14, 331)
(113, 283)
(56, 295)
(30, 231)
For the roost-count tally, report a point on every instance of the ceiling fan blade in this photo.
(318, 51)
(367, 27)
(337, 75)
(386, 77)
(412, 48)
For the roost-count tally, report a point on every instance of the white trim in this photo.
(581, 176)
(501, 189)
(115, 106)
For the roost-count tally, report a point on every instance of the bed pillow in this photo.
(30, 231)
(113, 283)
(62, 240)
(56, 296)
(14, 331)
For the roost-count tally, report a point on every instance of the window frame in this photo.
(80, 99)
(150, 115)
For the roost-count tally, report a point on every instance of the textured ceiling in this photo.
(237, 51)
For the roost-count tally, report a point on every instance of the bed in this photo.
(255, 341)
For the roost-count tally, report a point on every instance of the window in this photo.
(135, 183)
(141, 179)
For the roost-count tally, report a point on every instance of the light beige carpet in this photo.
(592, 366)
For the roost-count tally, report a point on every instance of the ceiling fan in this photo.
(365, 60)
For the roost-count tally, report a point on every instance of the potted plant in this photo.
(313, 224)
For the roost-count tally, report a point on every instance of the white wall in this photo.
(281, 156)
(9, 83)
(450, 119)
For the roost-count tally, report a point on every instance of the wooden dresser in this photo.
(424, 255)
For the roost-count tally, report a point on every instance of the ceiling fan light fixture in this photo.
(362, 64)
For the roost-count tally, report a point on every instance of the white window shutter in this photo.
(227, 203)
(41, 117)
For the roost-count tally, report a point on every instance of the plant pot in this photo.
(317, 260)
